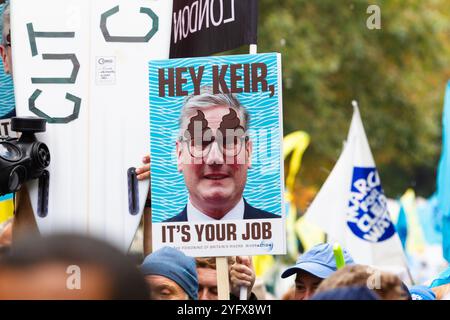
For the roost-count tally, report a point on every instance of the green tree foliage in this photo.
(398, 75)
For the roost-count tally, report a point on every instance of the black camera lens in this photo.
(16, 178)
(14, 181)
(24, 158)
(41, 155)
(9, 152)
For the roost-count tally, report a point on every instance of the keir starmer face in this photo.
(214, 169)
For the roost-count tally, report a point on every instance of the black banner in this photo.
(204, 27)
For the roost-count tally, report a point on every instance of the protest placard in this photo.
(217, 171)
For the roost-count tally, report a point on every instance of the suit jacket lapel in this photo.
(183, 215)
(247, 210)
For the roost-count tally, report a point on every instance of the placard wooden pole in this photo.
(243, 290)
(223, 281)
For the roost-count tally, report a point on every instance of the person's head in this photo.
(386, 285)
(312, 267)
(171, 275)
(214, 150)
(441, 291)
(347, 293)
(207, 278)
(441, 285)
(5, 45)
(68, 267)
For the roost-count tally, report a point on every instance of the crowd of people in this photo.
(78, 267)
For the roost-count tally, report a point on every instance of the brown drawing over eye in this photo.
(231, 121)
(196, 123)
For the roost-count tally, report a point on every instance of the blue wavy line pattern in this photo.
(6, 85)
(263, 189)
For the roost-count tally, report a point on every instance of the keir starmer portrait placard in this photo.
(216, 155)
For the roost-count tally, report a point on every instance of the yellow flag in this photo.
(262, 264)
(308, 233)
(415, 242)
(6, 209)
(295, 143)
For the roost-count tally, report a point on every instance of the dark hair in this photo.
(390, 285)
(126, 280)
(210, 263)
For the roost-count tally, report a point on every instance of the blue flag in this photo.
(443, 177)
(402, 226)
(442, 279)
(430, 218)
(446, 237)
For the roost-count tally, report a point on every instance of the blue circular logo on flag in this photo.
(367, 214)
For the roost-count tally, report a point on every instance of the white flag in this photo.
(352, 209)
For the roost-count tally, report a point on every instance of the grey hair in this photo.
(6, 22)
(207, 98)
